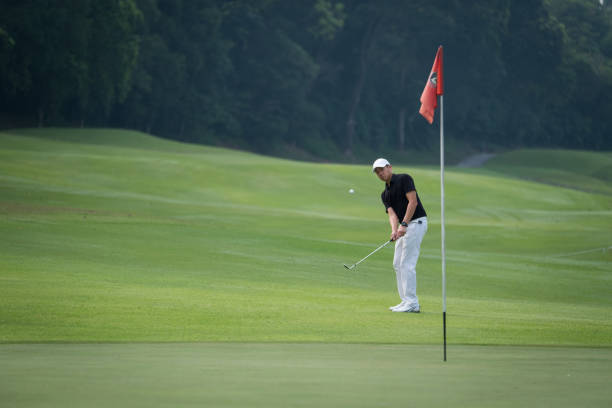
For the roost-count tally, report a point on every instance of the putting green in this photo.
(302, 375)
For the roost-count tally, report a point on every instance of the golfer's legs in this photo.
(407, 251)
(397, 262)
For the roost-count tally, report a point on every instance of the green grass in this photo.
(116, 236)
(582, 170)
(301, 375)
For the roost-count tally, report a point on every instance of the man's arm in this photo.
(394, 221)
(412, 204)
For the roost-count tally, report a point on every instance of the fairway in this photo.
(235, 261)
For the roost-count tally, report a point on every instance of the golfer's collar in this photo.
(393, 177)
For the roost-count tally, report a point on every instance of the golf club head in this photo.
(349, 267)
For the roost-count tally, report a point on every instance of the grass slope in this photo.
(116, 236)
(586, 171)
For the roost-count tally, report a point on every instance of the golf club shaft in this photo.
(373, 252)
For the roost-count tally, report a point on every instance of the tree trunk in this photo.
(401, 122)
(319, 60)
(150, 122)
(401, 129)
(411, 120)
(358, 89)
(41, 117)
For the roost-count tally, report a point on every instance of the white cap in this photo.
(380, 163)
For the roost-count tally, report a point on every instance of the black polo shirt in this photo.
(394, 196)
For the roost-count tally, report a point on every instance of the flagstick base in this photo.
(444, 329)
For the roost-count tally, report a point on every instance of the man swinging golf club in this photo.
(408, 221)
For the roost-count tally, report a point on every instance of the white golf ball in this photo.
(351, 191)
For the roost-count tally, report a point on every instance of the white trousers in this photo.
(407, 249)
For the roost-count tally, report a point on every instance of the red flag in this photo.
(433, 88)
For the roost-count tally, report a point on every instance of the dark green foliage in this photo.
(67, 61)
(327, 79)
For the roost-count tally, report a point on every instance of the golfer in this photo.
(408, 226)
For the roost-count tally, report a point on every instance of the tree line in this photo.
(312, 78)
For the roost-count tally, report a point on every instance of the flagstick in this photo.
(442, 220)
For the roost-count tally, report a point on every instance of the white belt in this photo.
(418, 220)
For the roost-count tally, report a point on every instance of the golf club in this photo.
(374, 251)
